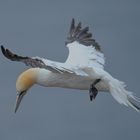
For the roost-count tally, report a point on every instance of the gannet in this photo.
(83, 70)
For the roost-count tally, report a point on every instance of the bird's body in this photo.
(49, 79)
(83, 69)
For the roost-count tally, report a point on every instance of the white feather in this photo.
(120, 94)
(84, 56)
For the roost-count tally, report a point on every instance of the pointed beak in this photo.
(18, 99)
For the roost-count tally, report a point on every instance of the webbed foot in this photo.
(93, 90)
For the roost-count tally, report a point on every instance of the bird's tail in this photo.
(121, 95)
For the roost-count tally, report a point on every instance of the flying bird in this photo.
(83, 70)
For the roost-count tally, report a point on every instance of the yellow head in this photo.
(25, 80)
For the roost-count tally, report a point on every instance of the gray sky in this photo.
(32, 27)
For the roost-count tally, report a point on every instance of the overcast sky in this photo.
(39, 28)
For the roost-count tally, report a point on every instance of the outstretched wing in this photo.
(84, 51)
(36, 62)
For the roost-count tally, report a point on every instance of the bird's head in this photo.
(25, 81)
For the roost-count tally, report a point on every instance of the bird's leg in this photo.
(93, 91)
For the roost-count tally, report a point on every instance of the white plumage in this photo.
(83, 56)
(84, 65)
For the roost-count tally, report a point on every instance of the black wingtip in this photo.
(1, 46)
(5, 52)
(82, 35)
(2, 49)
(72, 25)
(73, 21)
